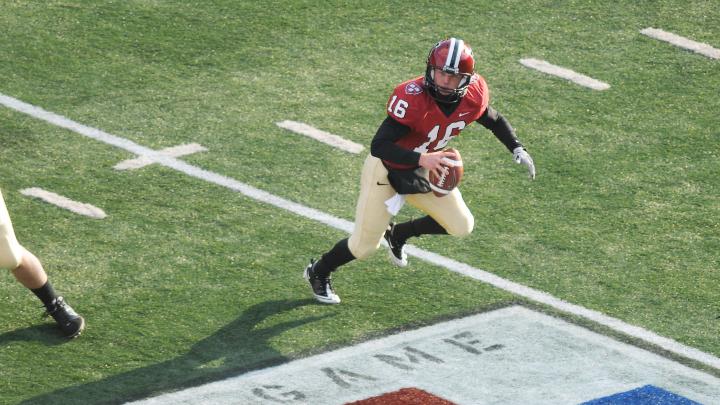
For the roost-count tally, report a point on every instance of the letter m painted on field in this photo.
(414, 356)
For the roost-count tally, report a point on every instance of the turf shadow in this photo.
(238, 347)
(47, 334)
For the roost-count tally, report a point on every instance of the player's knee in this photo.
(11, 253)
(9, 261)
(461, 228)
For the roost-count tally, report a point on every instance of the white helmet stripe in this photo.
(454, 51)
(451, 52)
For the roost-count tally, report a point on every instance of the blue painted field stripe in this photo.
(646, 395)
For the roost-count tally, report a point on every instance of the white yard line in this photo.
(322, 136)
(682, 42)
(347, 226)
(175, 151)
(564, 73)
(64, 202)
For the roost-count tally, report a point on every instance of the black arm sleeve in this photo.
(383, 144)
(500, 127)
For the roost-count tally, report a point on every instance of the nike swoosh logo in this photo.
(383, 184)
(463, 113)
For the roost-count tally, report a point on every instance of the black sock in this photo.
(337, 256)
(416, 227)
(46, 294)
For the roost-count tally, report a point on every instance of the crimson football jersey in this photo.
(430, 129)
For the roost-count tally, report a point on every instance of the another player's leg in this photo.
(28, 270)
(31, 274)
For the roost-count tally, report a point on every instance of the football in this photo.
(444, 184)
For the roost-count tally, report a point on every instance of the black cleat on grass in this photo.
(71, 324)
(395, 250)
(321, 286)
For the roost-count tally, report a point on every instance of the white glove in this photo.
(520, 155)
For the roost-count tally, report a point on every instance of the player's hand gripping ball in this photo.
(445, 183)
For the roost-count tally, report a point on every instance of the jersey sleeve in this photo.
(479, 94)
(406, 103)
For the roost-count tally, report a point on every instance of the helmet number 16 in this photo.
(433, 134)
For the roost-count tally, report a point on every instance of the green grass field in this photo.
(186, 281)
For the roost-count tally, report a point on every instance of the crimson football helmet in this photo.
(450, 56)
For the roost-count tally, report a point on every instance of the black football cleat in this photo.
(395, 250)
(321, 286)
(71, 324)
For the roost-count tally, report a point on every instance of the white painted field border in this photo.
(322, 136)
(87, 210)
(465, 361)
(347, 226)
(682, 42)
(564, 73)
(175, 151)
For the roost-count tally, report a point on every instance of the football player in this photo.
(28, 270)
(423, 115)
